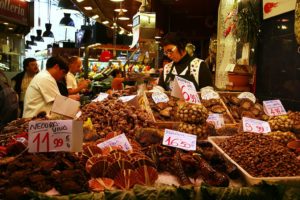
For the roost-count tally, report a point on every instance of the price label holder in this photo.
(65, 106)
(216, 119)
(100, 97)
(255, 126)
(180, 140)
(159, 97)
(247, 95)
(274, 108)
(119, 141)
(185, 89)
(55, 135)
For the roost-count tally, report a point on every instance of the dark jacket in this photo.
(18, 79)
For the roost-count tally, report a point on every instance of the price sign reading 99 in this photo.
(255, 126)
(180, 140)
(50, 136)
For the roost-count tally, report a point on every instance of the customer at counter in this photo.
(21, 81)
(43, 88)
(182, 65)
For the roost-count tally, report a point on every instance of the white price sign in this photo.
(159, 97)
(185, 89)
(180, 140)
(101, 97)
(255, 126)
(127, 98)
(216, 119)
(274, 108)
(119, 141)
(247, 95)
(55, 135)
(209, 94)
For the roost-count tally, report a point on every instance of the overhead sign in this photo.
(15, 10)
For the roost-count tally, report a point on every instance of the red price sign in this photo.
(274, 108)
(189, 93)
(179, 140)
(47, 136)
(255, 126)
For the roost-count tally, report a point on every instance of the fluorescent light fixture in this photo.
(105, 22)
(121, 31)
(119, 10)
(10, 28)
(5, 23)
(88, 8)
(130, 25)
(116, 0)
(79, 1)
(95, 16)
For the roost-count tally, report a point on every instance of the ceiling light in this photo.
(67, 6)
(79, 1)
(105, 22)
(130, 25)
(48, 32)
(95, 16)
(88, 8)
(5, 23)
(116, 0)
(119, 10)
(157, 37)
(121, 31)
(122, 16)
(10, 28)
(67, 21)
(129, 34)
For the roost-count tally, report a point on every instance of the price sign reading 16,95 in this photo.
(52, 135)
(180, 140)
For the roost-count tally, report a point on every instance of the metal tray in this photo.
(250, 180)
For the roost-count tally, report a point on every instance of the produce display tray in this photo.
(250, 180)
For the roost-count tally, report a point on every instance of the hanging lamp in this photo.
(48, 32)
(67, 21)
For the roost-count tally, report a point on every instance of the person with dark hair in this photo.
(43, 88)
(182, 65)
(117, 82)
(8, 101)
(21, 81)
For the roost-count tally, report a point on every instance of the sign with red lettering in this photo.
(216, 119)
(255, 126)
(274, 108)
(185, 89)
(15, 10)
(180, 140)
(119, 141)
(55, 135)
(159, 97)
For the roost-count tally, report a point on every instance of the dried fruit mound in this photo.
(44, 171)
(113, 115)
(261, 155)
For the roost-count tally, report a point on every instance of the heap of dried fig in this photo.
(192, 113)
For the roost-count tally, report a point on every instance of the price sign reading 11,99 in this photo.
(52, 135)
(180, 140)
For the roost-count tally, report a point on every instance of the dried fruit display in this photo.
(283, 137)
(112, 115)
(201, 130)
(243, 107)
(192, 113)
(295, 117)
(261, 155)
(217, 106)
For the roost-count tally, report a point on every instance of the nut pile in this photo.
(193, 117)
(281, 123)
(113, 115)
(261, 156)
(243, 107)
(295, 117)
(216, 106)
(283, 137)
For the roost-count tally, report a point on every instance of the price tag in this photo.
(119, 141)
(185, 89)
(209, 94)
(180, 140)
(127, 98)
(78, 114)
(216, 119)
(274, 108)
(101, 97)
(65, 106)
(255, 126)
(247, 95)
(55, 135)
(159, 97)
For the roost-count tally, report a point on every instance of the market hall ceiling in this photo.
(198, 18)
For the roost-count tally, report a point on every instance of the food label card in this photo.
(274, 108)
(185, 89)
(120, 141)
(255, 126)
(159, 97)
(180, 140)
(216, 119)
(65, 106)
(247, 95)
(100, 97)
(55, 135)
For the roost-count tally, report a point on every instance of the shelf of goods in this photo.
(148, 170)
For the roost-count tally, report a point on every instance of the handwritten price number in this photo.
(254, 128)
(276, 111)
(187, 96)
(248, 127)
(38, 141)
(58, 142)
(177, 143)
(260, 129)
